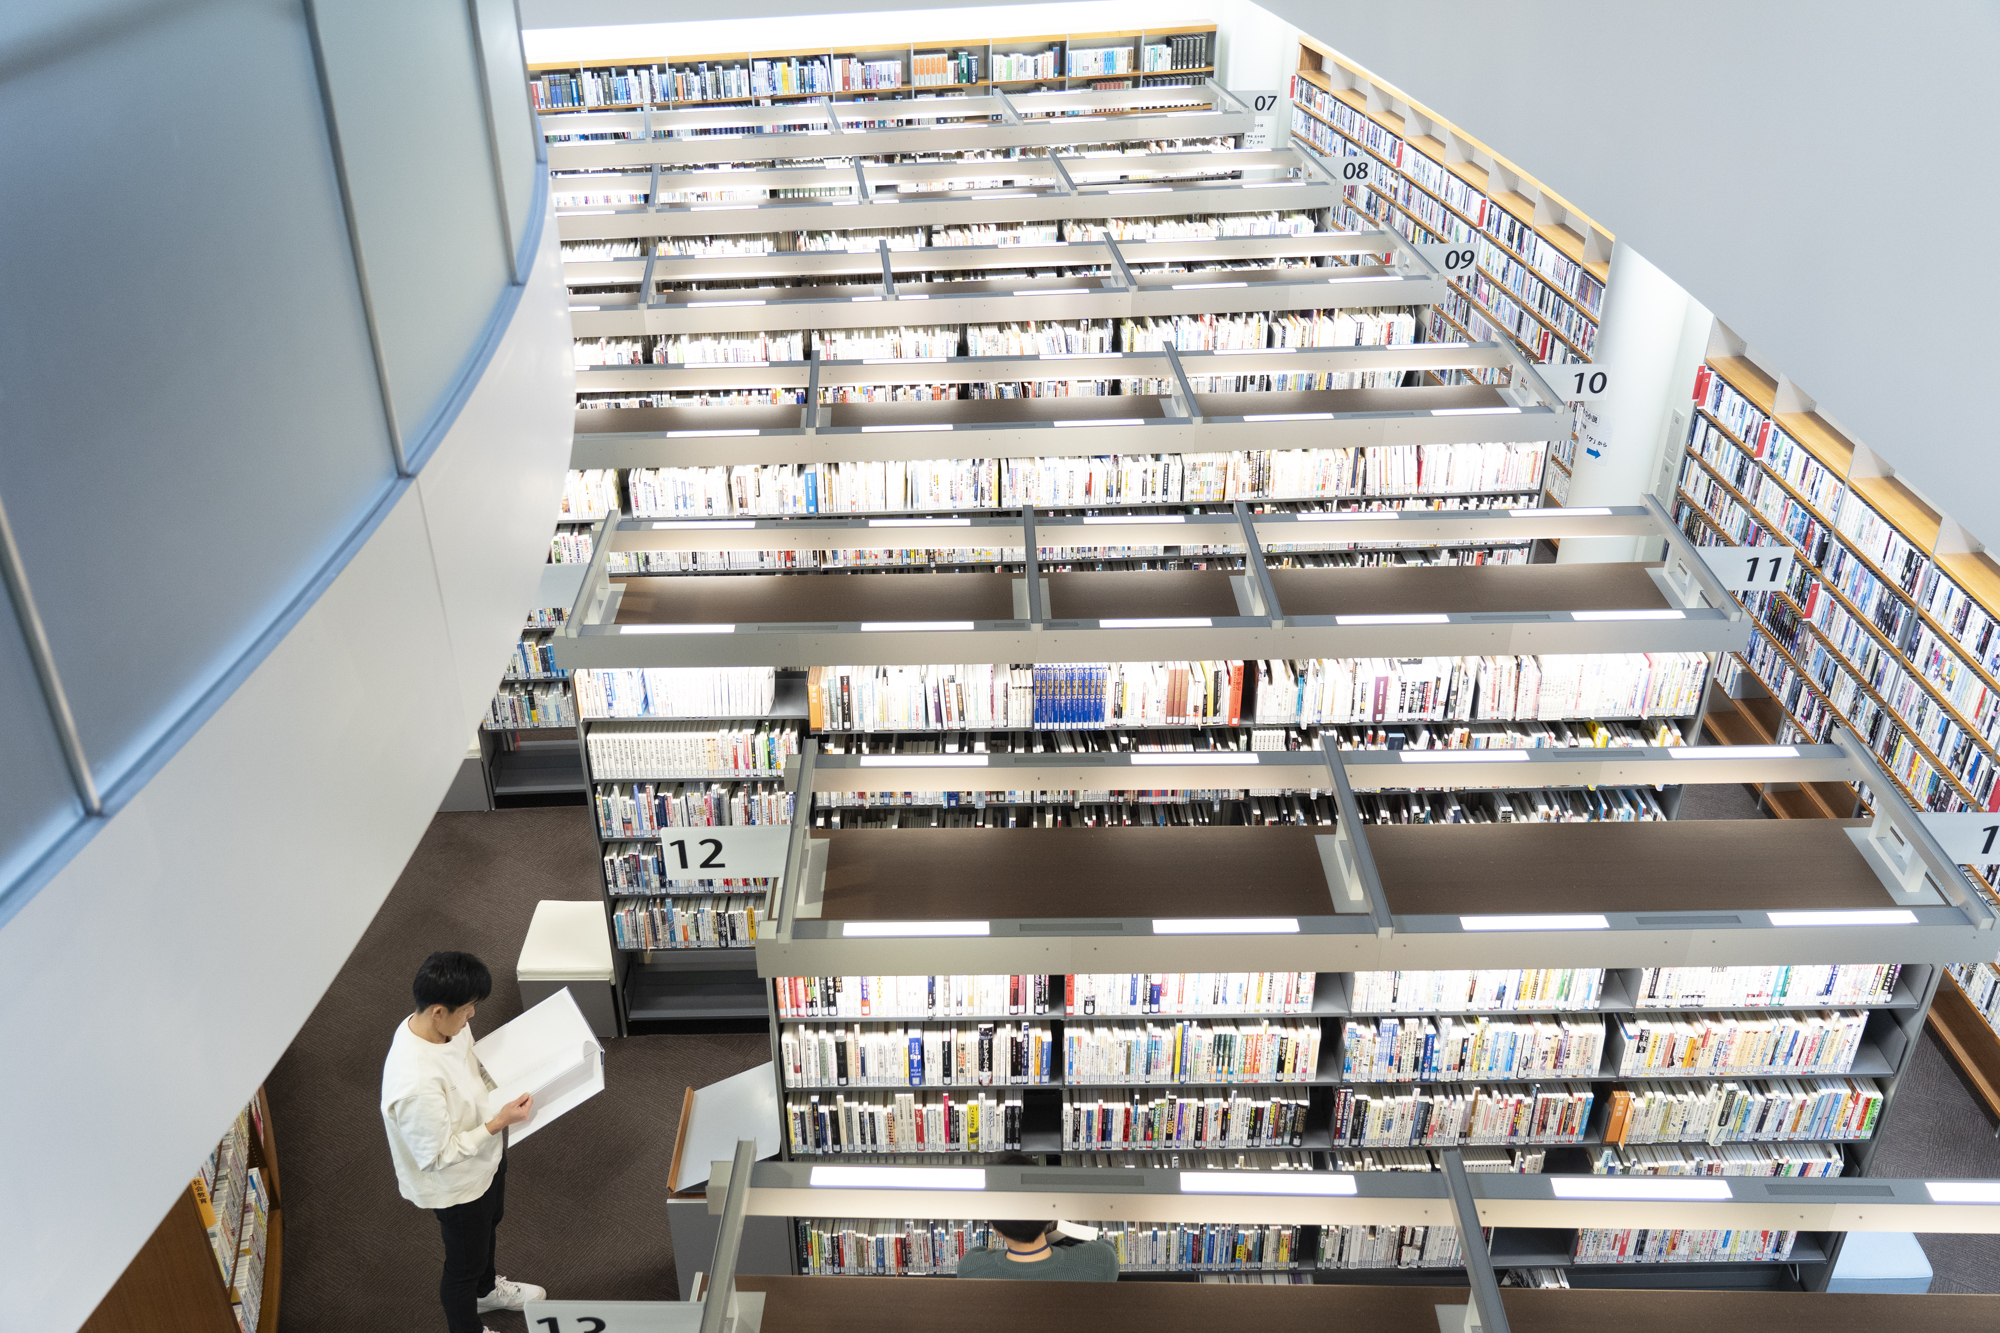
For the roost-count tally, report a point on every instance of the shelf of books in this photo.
(1542, 266)
(213, 1264)
(1101, 60)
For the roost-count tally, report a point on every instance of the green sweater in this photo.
(1092, 1261)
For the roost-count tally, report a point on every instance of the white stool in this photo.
(567, 946)
(1889, 1262)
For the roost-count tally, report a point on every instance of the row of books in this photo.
(1726, 1159)
(1200, 1247)
(1981, 984)
(1162, 813)
(1454, 1050)
(1313, 692)
(644, 809)
(1744, 1111)
(1778, 987)
(1826, 1042)
(525, 707)
(939, 68)
(958, 995)
(1187, 51)
(532, 659)
(1195, 1118)
(1191, 1051)
(724, 921)
(676, 692)
(1620, 805)
(917, 1055)
(1023, 66)
(233, 1200)
(1467, 990)
(902, 1122)
(653, 749)
(1677, 1245)
(1391, 1117)
(892, 485)
(881, 1247)
(1113, 994)
(1361, 1246)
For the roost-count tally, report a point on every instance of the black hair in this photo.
(1012, 1230)
(451, 979)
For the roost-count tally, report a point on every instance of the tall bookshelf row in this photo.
(1099, 61)
(1134, 553)
(1889, 624)
(1542, 266)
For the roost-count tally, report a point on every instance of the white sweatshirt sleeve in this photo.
(424, 1122)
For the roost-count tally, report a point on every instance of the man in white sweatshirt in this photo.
(449, 1157)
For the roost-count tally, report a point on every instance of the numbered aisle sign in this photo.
(1744, 569)
(1361, 169)
(731, 851)
(1579, 383)
(1969, 837)
(1263, 104)
(1454, 259)
(613, 1316)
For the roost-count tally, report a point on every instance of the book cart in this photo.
(1003, 379)
(1163, 56)
(1887, 627)
(1541, 266)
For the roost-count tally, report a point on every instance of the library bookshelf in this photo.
(1542, 265)
(177, 1282)
(1213, 569)
(1100, 60)
(1887, 625)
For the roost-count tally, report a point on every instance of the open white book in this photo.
(548, 1051)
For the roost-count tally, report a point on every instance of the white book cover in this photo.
(548, 1051)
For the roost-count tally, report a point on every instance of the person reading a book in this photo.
(1037, 1252)
(449, 1157)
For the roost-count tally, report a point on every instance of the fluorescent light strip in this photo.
(1256, 351)
(719, 208)
(702, 305)
(1141, 189)
(1963, 1191)
(1053, 291)
(1733, 751)
(864, 298)
(677, 629)
(1205, 286)
(1159, 622)
(919, 522)
(1019, 194)
(900, 360)
(1636, 1187)
(1654, 614)
(1463, 756)
(1577, 921)
(1206, 757)
(1354, 517)
(1095, 520)
(915, 296)
(1104, 421)
(923, 761)
(881, 929)
(1272, 185)
(1893, 917)
(1474, 411)
(1393, 620)
(899, 626)
(898, 1177)
(1227, 925)
(585, 212)
(1549, 511)
(1367, 277)
(1264, 1182)
(1290, 416)
(586, 307)
(691, 434)
(890, 430)
(704, 524)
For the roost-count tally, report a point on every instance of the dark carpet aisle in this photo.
(586, 1198)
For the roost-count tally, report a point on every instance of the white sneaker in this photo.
(508, 1295)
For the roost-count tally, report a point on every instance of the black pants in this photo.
(469, 1230)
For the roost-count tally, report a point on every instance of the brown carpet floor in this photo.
(586, 1198)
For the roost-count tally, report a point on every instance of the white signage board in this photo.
(1969, 837)
(728, 851)
(1744, 569)
(1266, 104)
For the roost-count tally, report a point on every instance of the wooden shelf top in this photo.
(896, 1304)
(1819, 439)
(1388, 590)
(954, 874)
(1897, 503)
(1743, 375)
(1680, 865)
(1978, 574)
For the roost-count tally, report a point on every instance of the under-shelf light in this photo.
(1475, 411)
(1405, 619)
(1264, 1182)
(1114, 520)
(1103, 421)
(1168, 759)
(1963, 1191)
(1463, 756)
(919, 522)
(705, 524)
(698, 305)
(1733, 752)
(691, 434)
(1141, 189)
(1655, 613)
(1559, 921)
(1226, 925)
(923, 761)
(903, 929)
(1053, 291)
(900, 626)
(1863, 917)
(1205, 286)
(918, 426)
(1290, 416)
(1351, 516)
(1637, 1187)
(899, 1177)
(1158, 622)
(677, 629)
(898, 360)
(1551, 511)
(719, 208)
